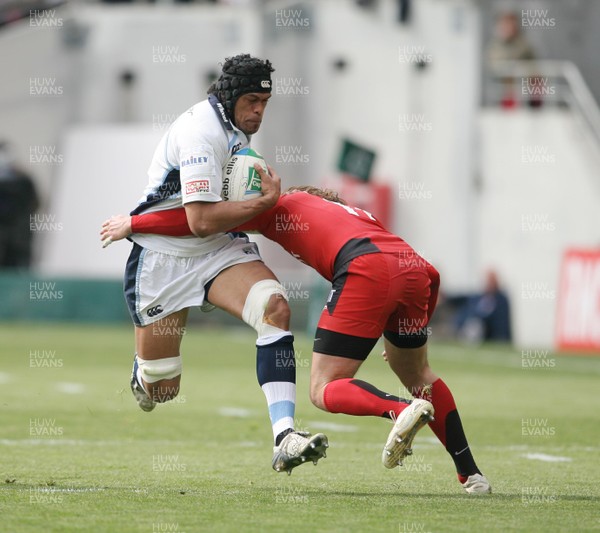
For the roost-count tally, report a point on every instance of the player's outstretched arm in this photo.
(174, 222)
(208, 218)
(171, 222)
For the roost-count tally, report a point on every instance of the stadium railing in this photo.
(554, 83)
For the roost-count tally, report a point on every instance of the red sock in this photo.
(447, 427)
(355, 397)
(443, 402)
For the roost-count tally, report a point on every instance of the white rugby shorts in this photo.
(158, 284)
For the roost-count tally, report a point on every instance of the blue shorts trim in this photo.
(130, 283)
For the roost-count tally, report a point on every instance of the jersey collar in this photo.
(221, 113)
(224, 118)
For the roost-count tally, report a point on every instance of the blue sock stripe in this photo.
(279, 410)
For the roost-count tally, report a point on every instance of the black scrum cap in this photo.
(240, 75)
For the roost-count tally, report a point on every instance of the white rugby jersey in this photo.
(186, 167)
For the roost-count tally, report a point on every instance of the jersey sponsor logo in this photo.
(194, 160)
(230, 165)
(265, 84)
(156, 310)
(235, 148)
(194, 186)
(225, 190)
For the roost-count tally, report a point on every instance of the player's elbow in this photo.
(202, 228)
(202, 219)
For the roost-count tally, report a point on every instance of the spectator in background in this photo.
(509, 44)
(486, 316)
(18, 200)
(493, 308)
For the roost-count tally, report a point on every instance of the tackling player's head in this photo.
(326, 194)
(244, 87)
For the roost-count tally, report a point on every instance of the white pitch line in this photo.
(332, 426)
(55, 442)
(70, 388)
(547, 458)
(68, 490)
(235, 412)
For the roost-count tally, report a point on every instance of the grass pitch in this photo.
(76, 454)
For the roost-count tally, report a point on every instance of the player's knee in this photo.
(266, 306)
(161, 377)
(317, 400)
(316, 395)
(278, 312)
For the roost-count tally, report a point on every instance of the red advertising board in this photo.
(578, 317)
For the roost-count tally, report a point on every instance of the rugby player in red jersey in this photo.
(380, 286)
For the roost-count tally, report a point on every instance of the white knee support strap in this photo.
(256, 305)
(154, 370)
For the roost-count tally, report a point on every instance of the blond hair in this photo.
(326, 194)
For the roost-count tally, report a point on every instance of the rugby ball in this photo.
(240, 179)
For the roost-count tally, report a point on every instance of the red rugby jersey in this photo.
(312, 229)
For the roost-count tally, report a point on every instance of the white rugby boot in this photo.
(297, 448)
(477, 484)
(139, 393)
(400, 439)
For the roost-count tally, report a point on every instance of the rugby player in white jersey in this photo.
(165, 276)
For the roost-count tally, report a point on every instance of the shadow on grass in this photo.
(415, 495)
